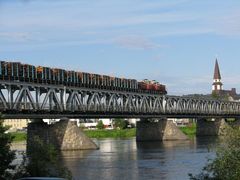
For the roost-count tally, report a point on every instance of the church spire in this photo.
(217, 84)
(217, 74)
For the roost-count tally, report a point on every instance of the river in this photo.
(126, 159)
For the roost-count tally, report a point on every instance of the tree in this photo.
(100, 125)
(226, 165)
(42, 160)
(120, 123)
(215, 95)
(6, 155)
(218, 96)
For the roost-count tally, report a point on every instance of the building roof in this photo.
(217, 74)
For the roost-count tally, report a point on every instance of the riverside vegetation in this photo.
(189, 130)
(42, 160)
(120, 131)
(226, 164)
(111, 133)
(19, 136)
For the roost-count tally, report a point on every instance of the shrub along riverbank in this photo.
(110, 133)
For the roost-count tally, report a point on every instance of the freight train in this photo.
(16, 71)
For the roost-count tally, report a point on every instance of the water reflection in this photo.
(126, 159)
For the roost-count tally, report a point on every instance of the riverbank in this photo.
(103, 133)
(190, 131)
(19, 136)
(110, 133)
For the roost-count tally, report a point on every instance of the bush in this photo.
(6, 155)
(120, 123)
(226, 165)
(100, 125)
(43, 160)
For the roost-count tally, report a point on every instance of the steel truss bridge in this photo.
(28, 100)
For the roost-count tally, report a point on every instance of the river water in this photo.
(127, 159)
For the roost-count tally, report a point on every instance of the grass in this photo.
(189, 130)
(113, 133)
(19, 136)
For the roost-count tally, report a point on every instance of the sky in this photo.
(174, 42)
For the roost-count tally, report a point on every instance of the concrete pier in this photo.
(158, 131)
(64, 135)
(211, 128)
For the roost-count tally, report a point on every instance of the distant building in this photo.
(180, 122)
(15, 124)
(217, 86)
(107, 122)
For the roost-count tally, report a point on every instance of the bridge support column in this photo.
(211, 128)
(64, 135)
(158, 131)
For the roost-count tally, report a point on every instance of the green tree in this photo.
(100, 125)
(6, 155)
(226, 165)
(42, 160)
(215, 95)
(120, 123)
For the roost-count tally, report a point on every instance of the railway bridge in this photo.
(37, 101)
(32, 100)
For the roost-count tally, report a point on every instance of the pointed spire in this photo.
(217, 74)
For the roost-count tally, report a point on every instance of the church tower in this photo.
(217, 84)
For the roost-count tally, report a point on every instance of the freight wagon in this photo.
(16, 71)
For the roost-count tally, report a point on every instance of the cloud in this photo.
(136, 42)
(187, 85)
(229, 24)
(199, 85)
(15, 36)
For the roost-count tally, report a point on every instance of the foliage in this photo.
(82, 126)
(115, 133)
(44, 160)
(226, 165)
(100, 125)
(6, 155)
(19, 136)
(189, 130)
(120, 123)
(215, 95)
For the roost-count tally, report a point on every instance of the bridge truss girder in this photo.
(33, 99)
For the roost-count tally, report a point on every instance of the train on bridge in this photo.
(16, 71)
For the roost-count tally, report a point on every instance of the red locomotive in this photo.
(152, 86)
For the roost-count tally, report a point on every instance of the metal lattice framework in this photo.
(18, 100)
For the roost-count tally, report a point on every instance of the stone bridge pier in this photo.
(158, 130)
(214, 127)
(63, 135)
